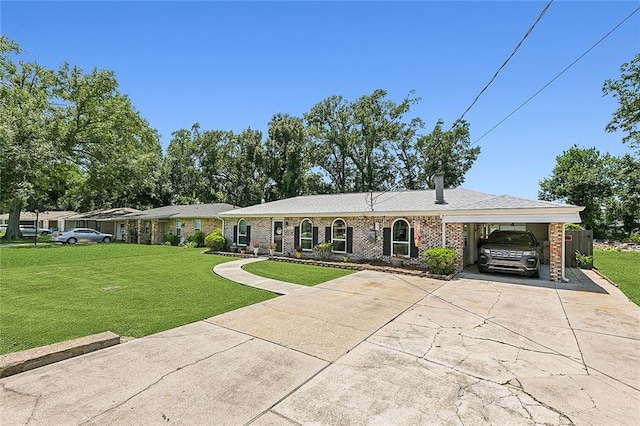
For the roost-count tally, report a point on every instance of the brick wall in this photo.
(555, 251)
(364, 247)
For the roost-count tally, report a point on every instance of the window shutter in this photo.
(350, 239)
(315, 236)
(386, 241)
(327, 234)
(296, 236)
(235, 234)
(413, 250)
(248, 235)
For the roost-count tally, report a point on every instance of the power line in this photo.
(503, 64)
(558, 75)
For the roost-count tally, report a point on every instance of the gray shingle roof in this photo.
(104, 214)
(423, 201)
(182, 211)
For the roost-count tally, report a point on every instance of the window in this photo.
(306, 235)
(339, 236)
(400, 238)
(242, 232)
(178, 228)
(197, 225)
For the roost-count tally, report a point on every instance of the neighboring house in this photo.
(54, 220)
(382, 224)
(108, 221)
(150, 226)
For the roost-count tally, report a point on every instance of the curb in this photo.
(18, 362)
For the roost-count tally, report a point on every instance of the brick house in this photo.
(150, 226)
(383, 224)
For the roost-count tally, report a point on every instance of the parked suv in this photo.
(510, 251)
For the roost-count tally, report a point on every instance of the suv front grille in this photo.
(509, 254)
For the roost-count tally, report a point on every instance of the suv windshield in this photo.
(511, 238)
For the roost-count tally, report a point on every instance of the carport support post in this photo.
(556, 251)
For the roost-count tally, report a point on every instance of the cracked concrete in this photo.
(369, 348)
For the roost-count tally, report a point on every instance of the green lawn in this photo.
(623, 268)
(295, 272)
(54, 293)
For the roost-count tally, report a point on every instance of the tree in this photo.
(627, 91)
(182, 166)
(624, 206)
(287, 150)
(582, 176)
(448, 152)
(243, 176)
(211, 147)
(330, 127)
(25, 121)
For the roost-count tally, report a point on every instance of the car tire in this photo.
(72, 241)
(536, 274)
(106, 240)
(482, 269)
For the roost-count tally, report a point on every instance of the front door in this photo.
(278, 230)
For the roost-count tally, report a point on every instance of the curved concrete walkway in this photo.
(233, 271)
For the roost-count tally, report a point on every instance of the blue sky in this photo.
(232, 65)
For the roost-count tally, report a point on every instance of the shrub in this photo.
(190, 244)
(323, 251)
(572, 226)
(174, 240)
(215, 241)
(198, 238)
(441, 261)
(635, 237)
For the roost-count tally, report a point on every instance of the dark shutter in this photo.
(248, 235)
(235, 234)
(350, 239)
(296, 236)
(315, 236)
(327, 234)
(413, 250)
(386, 241)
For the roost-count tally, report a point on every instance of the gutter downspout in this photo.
(444, 231)
(563, 278)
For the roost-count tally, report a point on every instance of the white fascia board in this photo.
(514, 218)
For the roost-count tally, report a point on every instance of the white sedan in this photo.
(81, 235)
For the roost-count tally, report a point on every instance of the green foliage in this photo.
(627, 91)
(584, 259)
(573, 226)
(583, 177)
(441, 261)
(323, 251)
(174, 240)
(215, 241)
(197, 238)
(190, 244)
(51, 294)
(635, 237)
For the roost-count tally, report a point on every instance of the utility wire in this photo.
(558, 75)
(503, 64)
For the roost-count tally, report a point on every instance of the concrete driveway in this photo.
(369, 348)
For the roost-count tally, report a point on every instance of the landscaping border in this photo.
(342, 265)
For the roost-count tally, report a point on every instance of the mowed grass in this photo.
(623, 268)
(295, 273)
(51, 294)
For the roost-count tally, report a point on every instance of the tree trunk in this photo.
(13, 227)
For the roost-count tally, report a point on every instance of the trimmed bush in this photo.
(174, 240)
(197, 238)
(441, 261)
(323, 251)
(215, 241)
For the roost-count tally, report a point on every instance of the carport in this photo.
(547, 224)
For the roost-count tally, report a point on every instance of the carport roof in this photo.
(182, 211)
(423, 202)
